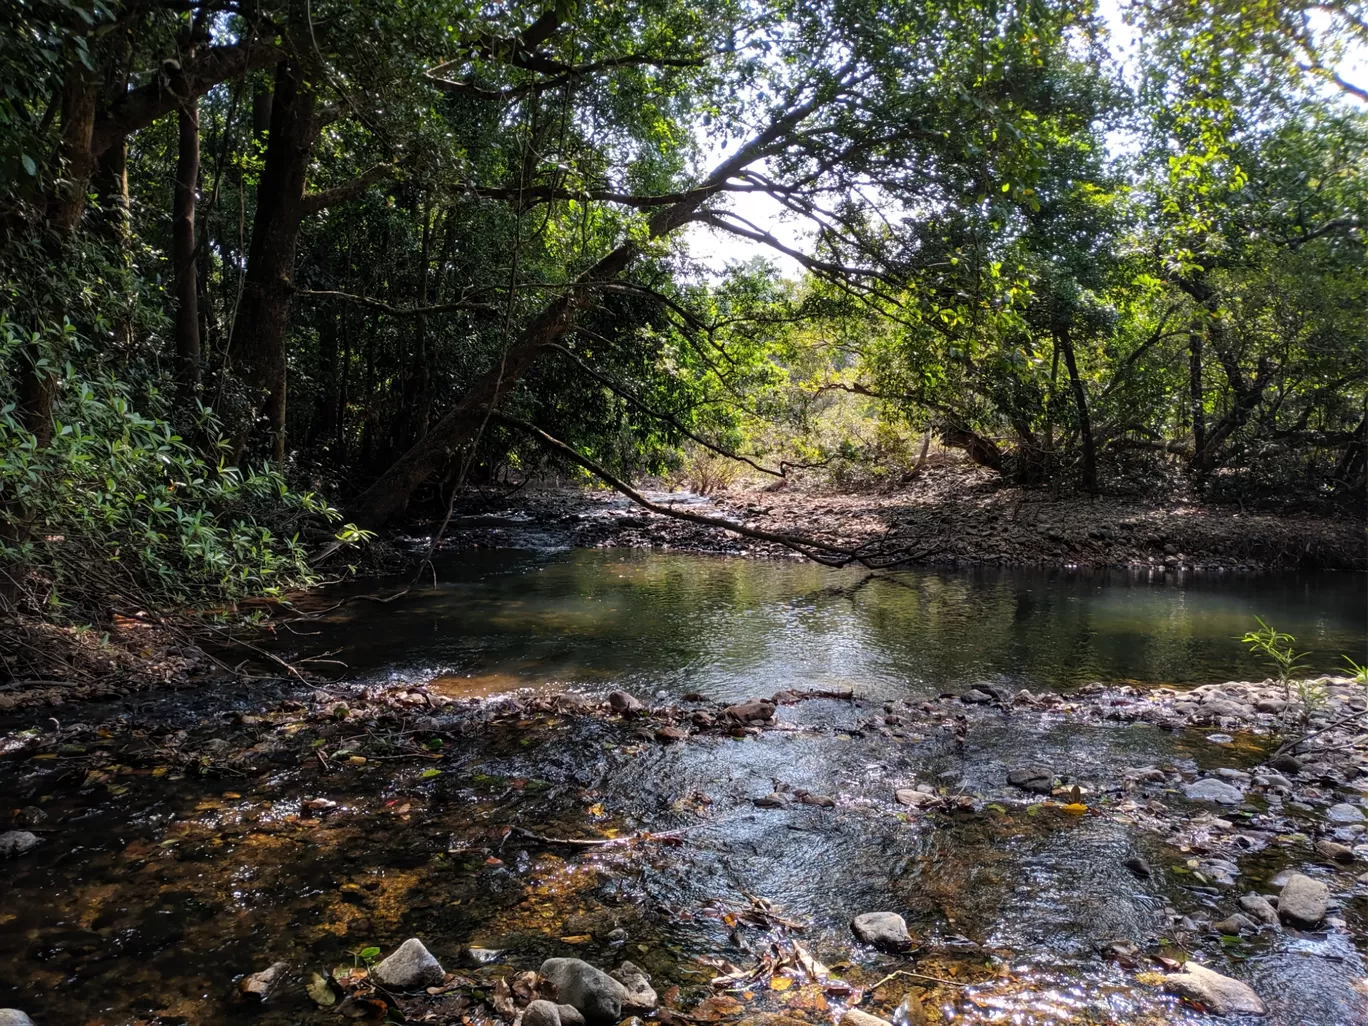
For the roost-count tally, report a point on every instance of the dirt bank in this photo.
(960, 517)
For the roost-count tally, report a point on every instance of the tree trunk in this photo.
(1081, 402)
(416, 389)
(1196, 404)
(258, 342)
(183, 256)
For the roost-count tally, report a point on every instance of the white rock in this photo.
(14, 1017)
(885, 930)
(410, 966)
(1303, 901)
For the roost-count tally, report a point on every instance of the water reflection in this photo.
(669, 624)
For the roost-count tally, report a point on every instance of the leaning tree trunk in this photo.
(183, 256)
(258, 342)
(460, 426)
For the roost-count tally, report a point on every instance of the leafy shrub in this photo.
(121, 510)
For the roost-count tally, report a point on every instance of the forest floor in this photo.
(957, 515)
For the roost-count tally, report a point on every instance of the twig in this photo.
(672, 837)
(915, 976)
(1292, 745)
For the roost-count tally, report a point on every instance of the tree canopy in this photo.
(255, 250)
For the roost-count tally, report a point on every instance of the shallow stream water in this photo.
(156, 887)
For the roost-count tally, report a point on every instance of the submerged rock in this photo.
(258, 986)
(885, 930)
(1139, 868)
(1220, 995)
(16, 842)
(1303, 901)
(1212, 789)
(1036, 778)
(596, 995)
(1341, 813)
(410, 966)
(640, 997)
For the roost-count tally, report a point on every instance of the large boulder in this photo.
(885, 930)
(410, 967)
(640, 996)
(1303, 902)
(1219, 995)
(1036, 778)
(597, 996)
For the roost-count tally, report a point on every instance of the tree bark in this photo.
(183, 256)
(258, 342)
(1081, 403)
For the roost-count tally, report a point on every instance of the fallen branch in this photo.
(1293, 745)
(818, 551)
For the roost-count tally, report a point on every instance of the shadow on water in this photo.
(153, 890)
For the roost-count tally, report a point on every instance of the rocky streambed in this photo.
(1112, 855)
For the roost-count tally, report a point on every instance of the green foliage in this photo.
(119, 509)
(1276, 647)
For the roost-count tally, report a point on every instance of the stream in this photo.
(189, 837)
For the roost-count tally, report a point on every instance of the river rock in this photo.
(1235, 925)
(596, 995)
(622, 702)
(855, 1017)
(1287, 764)
(258, 986)
(14, 1017)
(570, 1015)
(1334, 851)
(1303, 901)
(885, 930)
(750, 712)
(409, 967)
(1211, 789)
(541, 1013)
(974, 697)
(1259, 908)
(14, 843)
(774, 800)
(640, 996)
(911, 796)
(1341, 813)
(1037, 778)
(1220, 995)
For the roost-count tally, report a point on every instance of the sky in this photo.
(714, 249)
